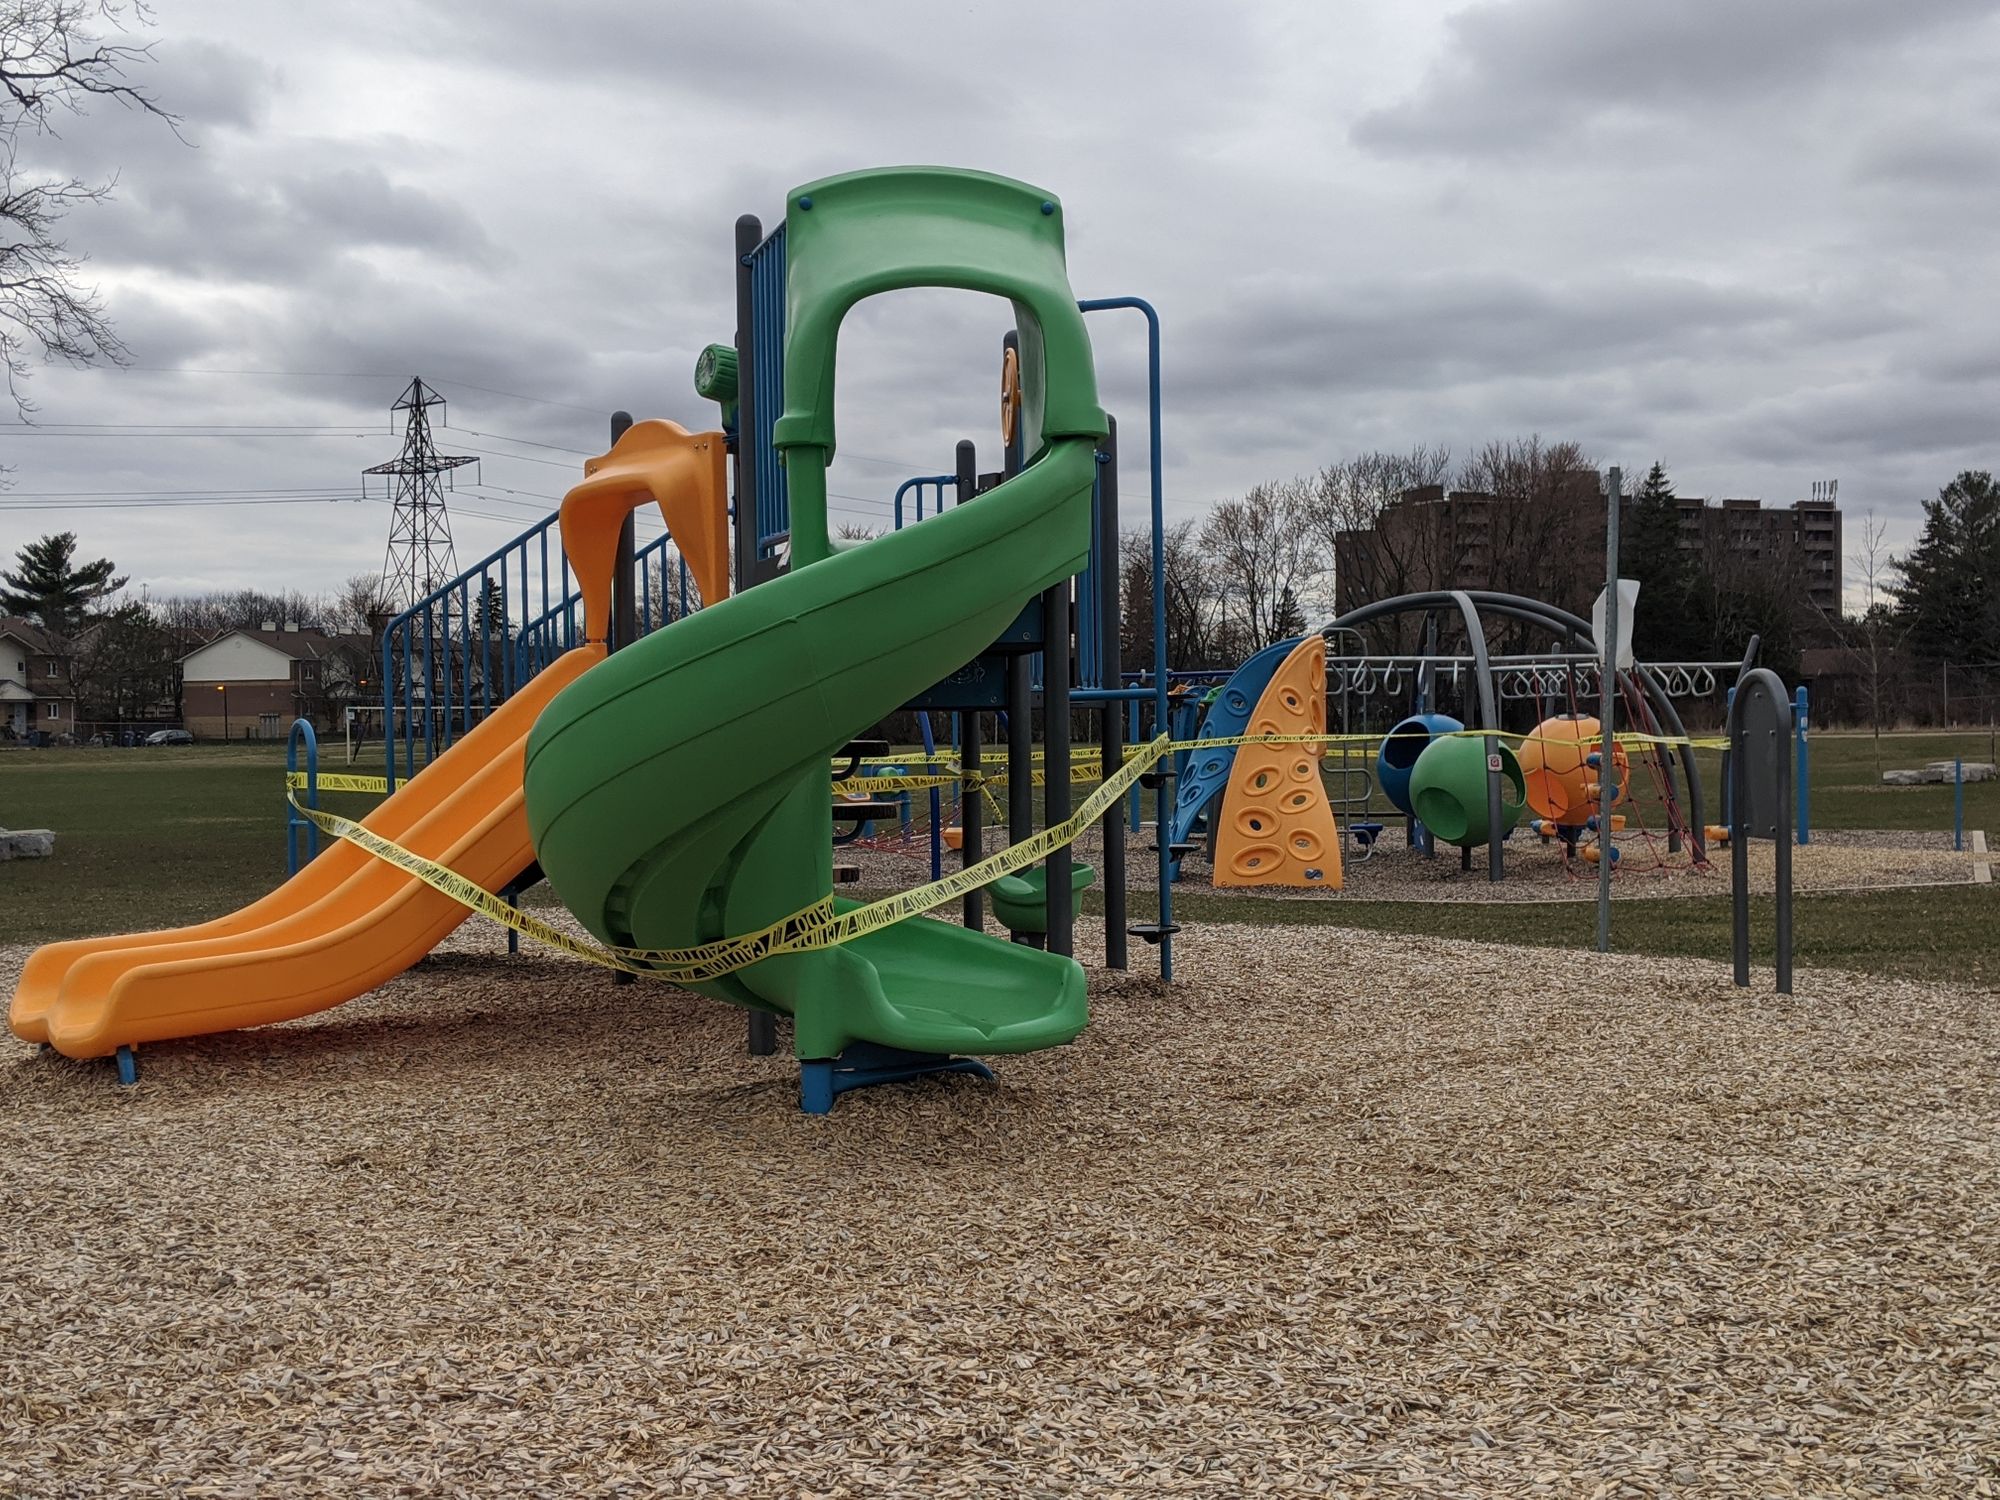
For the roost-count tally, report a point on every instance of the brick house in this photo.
(36, 694)
(251, 684)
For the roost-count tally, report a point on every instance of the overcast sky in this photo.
(1747, 239)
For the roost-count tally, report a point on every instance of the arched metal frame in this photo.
(1641, 685)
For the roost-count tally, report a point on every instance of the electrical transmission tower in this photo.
(419, 560)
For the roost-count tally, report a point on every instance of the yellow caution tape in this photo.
(817, 926)
(1082, 770)
(340, 781)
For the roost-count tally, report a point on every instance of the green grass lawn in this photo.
(1847, 790)
(150, 837)
(166, 836)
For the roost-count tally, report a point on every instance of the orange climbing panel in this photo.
(1276, 825)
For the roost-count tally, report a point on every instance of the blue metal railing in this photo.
(302, 734)
(767, 324)
(457, 654)
(931, 486)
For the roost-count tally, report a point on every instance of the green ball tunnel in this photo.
(1448, 789)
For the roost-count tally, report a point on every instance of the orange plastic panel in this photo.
(1276, 826)
(685, 472)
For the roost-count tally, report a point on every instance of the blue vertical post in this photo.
(1802, 777)
(302, 732)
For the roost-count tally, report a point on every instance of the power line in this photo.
(186, 504)
(502, 437)
(359, 432)
(311, 489)
(285, 427)
(523, 458)
(355, 375)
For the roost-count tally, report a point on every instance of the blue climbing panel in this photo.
(1206, 772)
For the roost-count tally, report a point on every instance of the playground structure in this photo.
(1531, 750)
(534, 705)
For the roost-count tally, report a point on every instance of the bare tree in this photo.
(1547, 529)
(1261, 552)
(53, 62)
(361, 606)
(1875, 639)
(1191, 600)
(1375, 526)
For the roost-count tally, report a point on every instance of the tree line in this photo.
(1925, 642)
(1288, 555)
(122, 655)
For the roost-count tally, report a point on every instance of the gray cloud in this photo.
(1530, 73)
(1744, 239)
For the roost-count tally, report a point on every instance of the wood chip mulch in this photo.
(1337, 1213)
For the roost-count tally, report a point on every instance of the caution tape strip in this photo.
(341, 781)
(816, 926)
(955, 776)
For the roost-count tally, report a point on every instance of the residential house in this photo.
(251, 684)
(36, 695)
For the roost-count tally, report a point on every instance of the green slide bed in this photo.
(678, 792)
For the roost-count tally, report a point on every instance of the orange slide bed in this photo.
(340, 927)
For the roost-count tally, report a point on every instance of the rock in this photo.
(1940, 771)
(27, 843)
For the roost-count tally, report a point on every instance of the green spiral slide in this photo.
(678, 792)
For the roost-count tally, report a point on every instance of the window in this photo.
(52, 710)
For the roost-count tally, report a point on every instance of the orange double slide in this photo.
(341, 926)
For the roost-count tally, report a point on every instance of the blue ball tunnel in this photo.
(1398, 755)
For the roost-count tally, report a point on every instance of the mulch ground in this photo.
(1336, 1213)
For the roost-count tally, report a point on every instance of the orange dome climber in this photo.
(1555, 760)
(1276, 826)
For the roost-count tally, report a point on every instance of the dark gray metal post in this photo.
(1020, 752)
(971, 809)
(1782, 896)
(1055, 760)
(624, 591)
(763, 1026)
(1761, 789)
(1607, 697)
(1739, 854)
(749, 235)
(624, 601)
(1110, 651)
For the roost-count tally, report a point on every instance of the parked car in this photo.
(170, 737)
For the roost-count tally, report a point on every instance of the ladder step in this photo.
(860, 812)
(1152, 932)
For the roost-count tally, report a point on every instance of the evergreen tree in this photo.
(1948, 592)
(1672, 622)
(1287, 620)
(50, 587)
